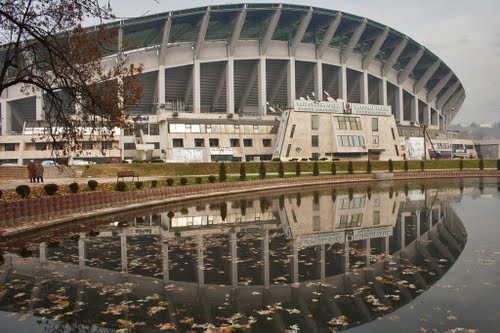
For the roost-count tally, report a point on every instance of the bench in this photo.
(122, 174)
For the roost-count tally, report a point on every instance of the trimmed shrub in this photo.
(405, 166)
(481, 164)
(390, 166)
(211, 179)
(243, 172)
(50, 189)
(120, 186)
(297, 169)
(74, 187)
(170, 182)
(183, 181)
(350, 168)
(315, 169)
(368, 166)
(350, 193)
(222, 172)
(92, 184)
(422, 165)
(461, 164)
(198, 180)
(333, 168)
(223, 211)
(281, 170)
(138, 185)
(498, 164)
(154, 183)
(23, 191)
(262, 170)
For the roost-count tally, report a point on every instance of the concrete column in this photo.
(364, 88)
(383, 91)
(43, 253)
(165, 262)
(40, 114)
(161, 85)
(82, 251)
(343, 82)
(290, 76)
(123, 251)
(262, 87)
(387, 247)
(399, 104)
(414, 115)
(200, 266)
(196, 86)
(418, 224)
(427, 114)
(265, 258)
(318, 80)
(234, 260)
(230, 85)
(6, 116)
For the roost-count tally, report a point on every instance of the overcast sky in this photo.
(465, 34)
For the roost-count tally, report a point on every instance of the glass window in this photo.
(10, 147)
(375, 124)
(292, 132)
(106, 145)
(154, 129)
(247, 142)
(234, 142)
(199, 142)
(178, 143)
(314, 122)
(393, 135)
(129, 146)
(266, 142)
(315, 141)
(288, 150)
(213, 142)
(43, 146)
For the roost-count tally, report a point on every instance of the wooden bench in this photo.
(122, 174)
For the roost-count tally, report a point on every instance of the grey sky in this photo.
(465, 34)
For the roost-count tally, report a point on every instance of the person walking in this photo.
(39, 173)
(32, 171)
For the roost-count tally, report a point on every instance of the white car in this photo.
(49, 163)
(81, 162)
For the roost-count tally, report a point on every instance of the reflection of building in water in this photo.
(324, 241)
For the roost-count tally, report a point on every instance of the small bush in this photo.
(74, 187)
(138, 185)
(315, 169)
(405, 166)
(350, 168)
(23, 191)
(211, 179)
(50, 189)
(92, 184)
(422, 165)
(154, 183)
(461, 164)
(243, 172)
(390, 166)
(198, 180)
(170, 182)
(333, 168)
(368, 166)
(276, 159)
(481, 164)
(297, 169)
(183, 181)
(281, 170)
(262, 170)
(222, 172)
(120, 186)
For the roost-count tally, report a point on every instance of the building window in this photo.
(213, 142)
(350, 140)
(154, 129)
(292, 132)
(129, 146)
(247, 142)
(315, 141)
(156, 144)
(288, 150)
(234, 142)
(393, 135)
(266, 142)
(177, 143)
(314, 122)
(375, 124)
(397, 150)
(43, 146)
(106, 145)
(349, 123)
(10, 147)
(199, 142)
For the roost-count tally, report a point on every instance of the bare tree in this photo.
(45, 52)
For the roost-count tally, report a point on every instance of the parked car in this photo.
(81, 162)
(49, 163)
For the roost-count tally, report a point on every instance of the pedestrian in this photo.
(32, 171)
(39, 173)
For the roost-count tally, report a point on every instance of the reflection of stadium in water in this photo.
(331, 253)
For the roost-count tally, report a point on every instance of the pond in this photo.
(387, 256)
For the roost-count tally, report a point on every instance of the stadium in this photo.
(252, 82)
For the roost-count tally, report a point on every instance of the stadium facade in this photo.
(256, 81)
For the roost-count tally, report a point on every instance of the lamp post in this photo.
(424, 127)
